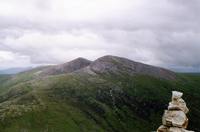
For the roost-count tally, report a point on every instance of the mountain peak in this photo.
(67, 67)
(79, 59)
(109, 57)
(117, 65)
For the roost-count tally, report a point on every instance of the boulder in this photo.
(176, 95)
(175, 129)
(177, 102)
(174, 118)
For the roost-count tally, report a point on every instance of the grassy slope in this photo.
(81, 102)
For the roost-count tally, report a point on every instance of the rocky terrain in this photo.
(175, 119)
(109, 94)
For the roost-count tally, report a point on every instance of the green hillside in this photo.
(92, 99)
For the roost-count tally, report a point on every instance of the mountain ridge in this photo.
(108, 64)
(15, 70)
(118, 64)
(109, 94)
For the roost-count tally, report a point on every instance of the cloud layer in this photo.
(163, 33)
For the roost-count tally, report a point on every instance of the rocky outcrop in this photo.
(175, 119)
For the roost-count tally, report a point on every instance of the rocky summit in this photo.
(118, 65)
(175, 119)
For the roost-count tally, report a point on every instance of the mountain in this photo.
(118, 65)
(67, 67)
(15, 70)
(109, 94)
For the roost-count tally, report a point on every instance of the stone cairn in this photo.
(175, 119)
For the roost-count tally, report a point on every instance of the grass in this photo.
(89, 103)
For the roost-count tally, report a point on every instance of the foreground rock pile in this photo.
(175, 119)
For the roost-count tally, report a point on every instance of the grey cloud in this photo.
(164, 33)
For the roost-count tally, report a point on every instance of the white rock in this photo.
(174, 118)
(176, 95)
(177, 102)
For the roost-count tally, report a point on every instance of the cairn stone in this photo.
(163, 128)
(177, 102)
(175, 119)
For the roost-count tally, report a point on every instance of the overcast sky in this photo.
(158, 32)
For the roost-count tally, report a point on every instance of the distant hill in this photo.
(14, 70)
(110, 94)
